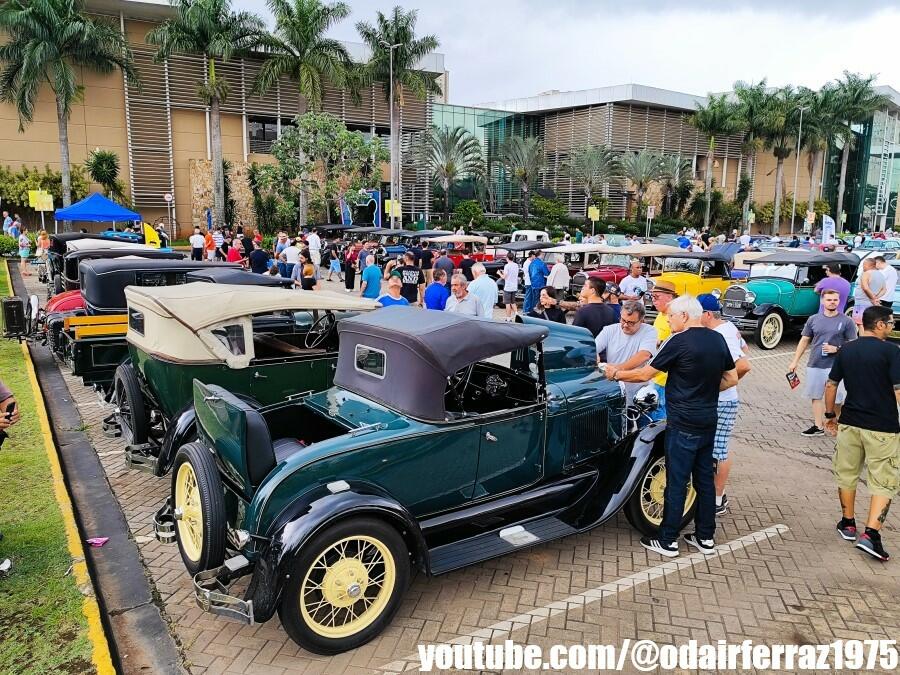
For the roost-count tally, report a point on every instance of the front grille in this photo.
(735, 293)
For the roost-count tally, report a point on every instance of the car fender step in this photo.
(138, 457)
(164, 523)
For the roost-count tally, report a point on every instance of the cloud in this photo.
(516, 48)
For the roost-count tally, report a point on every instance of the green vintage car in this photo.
(780, 293)
(446, 440)
(265, 344)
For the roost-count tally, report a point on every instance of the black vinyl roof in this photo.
(790, 258)
(365, 230)
(418, 234)
(701, 255)
(100, 253)
(235, 275)
(527, 245)
(448, 341)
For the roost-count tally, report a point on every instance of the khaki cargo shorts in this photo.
(877, 450)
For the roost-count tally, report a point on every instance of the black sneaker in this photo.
(870, 542)
(846, 527)
(705, 546)
(722, 509)
(655, 545)
(813, 431)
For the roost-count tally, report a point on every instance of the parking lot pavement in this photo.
(785, 576)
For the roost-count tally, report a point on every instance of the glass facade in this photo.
(491, 128)
(873, 174)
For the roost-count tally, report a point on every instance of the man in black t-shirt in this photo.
(426, 262)
(869, 430)
(465, 266)
(699, 366)
(413, 280)
(259, 259)
(594, 314)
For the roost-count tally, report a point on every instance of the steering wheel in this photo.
(319, 331)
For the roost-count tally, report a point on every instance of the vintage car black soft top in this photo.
(234, 274)
(528, 246)
(58, 241)
(806, 259)
(103, 282)
(421, 349)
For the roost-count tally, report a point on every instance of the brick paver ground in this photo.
(802, 586)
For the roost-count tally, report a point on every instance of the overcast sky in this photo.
(499, 49)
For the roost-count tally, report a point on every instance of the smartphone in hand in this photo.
(793, 380)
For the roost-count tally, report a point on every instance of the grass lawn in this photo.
(42, 625)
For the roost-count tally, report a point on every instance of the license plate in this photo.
(736, 304)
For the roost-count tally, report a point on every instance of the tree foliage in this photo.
(591, 167)
(643, 169)
(14, 185)
(103, 168)
(452, 154)
(524, 159)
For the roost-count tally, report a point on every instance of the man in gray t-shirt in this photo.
(628, 344)
(824, 334)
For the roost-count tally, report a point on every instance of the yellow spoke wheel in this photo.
(348, 586)
(653, 489)
(187, 501)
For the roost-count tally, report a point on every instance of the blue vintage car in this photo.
(445, 441)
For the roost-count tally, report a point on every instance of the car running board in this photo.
(496, 543)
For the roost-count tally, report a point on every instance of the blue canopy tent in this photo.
(97, 209)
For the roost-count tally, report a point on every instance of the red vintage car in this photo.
(456, 244)
(610, 263)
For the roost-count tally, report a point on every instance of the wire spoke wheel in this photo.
(348, 586)
(187, 502)
(652, 491)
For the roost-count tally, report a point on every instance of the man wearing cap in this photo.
(727, 410)
(612, 298)
(663, 293)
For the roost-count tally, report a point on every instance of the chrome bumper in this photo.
(164, 523)
(211, 590)
(138, 457)
(742, 322)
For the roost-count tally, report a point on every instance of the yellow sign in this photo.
(151, 237)
(40, 200)
(593, 213)
(389, 207)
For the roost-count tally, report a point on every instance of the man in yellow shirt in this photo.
(663, 293)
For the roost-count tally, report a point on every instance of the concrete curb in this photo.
(139, 637)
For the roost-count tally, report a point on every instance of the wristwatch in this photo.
(830, 415)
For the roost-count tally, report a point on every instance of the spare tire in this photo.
(199, 506)
(130, 408)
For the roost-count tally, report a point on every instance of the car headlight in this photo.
(716, 293)
(750, 296)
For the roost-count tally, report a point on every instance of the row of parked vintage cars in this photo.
(328, 448)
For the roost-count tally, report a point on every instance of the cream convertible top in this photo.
(188, 323)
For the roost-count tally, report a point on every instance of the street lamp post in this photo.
(797, 169)
(394, 196)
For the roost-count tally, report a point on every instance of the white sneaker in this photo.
(655, 545)
(705, 546)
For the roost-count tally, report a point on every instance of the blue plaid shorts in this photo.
(727, 414)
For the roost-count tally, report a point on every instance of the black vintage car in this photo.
(445, 441)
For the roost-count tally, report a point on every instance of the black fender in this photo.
(763, 309)
(183, 429)
(308, 515)
(644, 449)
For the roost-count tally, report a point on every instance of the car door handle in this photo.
(488, 436)
(257, 376)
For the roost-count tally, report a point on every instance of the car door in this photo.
(803, 301)
(511, 450)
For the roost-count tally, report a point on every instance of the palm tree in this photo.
(299, 50)
(716, 118)
(591, 167)
(103, 167)
(820, 126)
(46, 41)
(643, 169)
(524, 159)
(452, 154)
(396, 34)
(211, 29)
(781, 119)
(751, 101)
(856, 102)
(674, 170)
